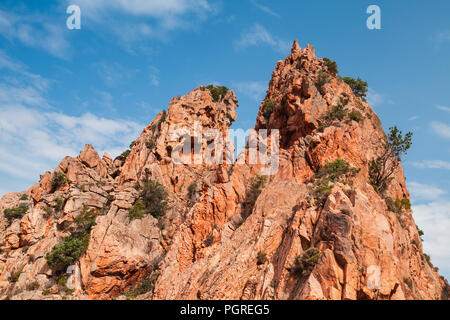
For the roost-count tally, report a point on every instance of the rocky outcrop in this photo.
(208, 245)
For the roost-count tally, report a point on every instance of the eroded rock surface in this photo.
(205, 247)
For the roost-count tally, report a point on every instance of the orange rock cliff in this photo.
(298, 240)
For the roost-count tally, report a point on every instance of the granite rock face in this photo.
(207, 245)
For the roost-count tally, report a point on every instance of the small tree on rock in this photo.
(383, 167)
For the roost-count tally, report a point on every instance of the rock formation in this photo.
(296, 241)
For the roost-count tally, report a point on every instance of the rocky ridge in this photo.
(296, 242)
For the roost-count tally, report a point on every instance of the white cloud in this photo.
(35, 31)
(441, 129)
(420, 191)
(443, 36)
(413, 118)
(257, 35)
(434, 219)
(375, 98)
(34, 138)
(433, 164)
(264, 8)
(154, 79)
(133, 20)
(155, 8)
(32, 141)
(254, 89)
(447, 109)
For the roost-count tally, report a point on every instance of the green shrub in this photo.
(124, 155)
(73, 246)
(192, 190)
(421, 233)
(33, 286)
(322, 79)
(48, 211)
(355, 115)
(331, 66)
(150, 144)
(322, 192)
(67, 253)
(147, 285)
(209, 240)
(267, 108)
(358, 86)
(336, 169)
(15, 276)
(24, 197)
(304, 264)
(383, 167)
(59, 203)
(256, 187)
(58, 180)
(217, 92)
(163, 118)
(337, 112)
(45, 292)
(428, 259)
(153, 201)
(261, 257)
(15, 213)
(408, 282)
(132, 144)
(398, 205)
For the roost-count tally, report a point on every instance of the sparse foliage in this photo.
(58, 180)
(355, 115)
(192, 190)
(322, 79)
(209, 240)
(261, 257)
(331, 66)
(217, 92)
(15, 213)
(304, 264)
(267, 108)
(152, 201)
(383, 167)
(75, 245)
(336, 171)
(358, 86)
(256, 187)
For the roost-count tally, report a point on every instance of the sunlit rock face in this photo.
(208, 245)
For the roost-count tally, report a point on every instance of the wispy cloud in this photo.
(420, 191)
(375, 98)
(433, 164)
(49, 136)
(140, 19)
(264, 8)
(441, 129)
(443, 36)
(34, 138)
(257, 35)
(35, 31)
(253, 89)
(434, 219)
(446, 109)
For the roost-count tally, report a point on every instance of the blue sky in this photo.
(60, 88)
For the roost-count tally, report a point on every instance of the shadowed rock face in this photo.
(205, 247)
